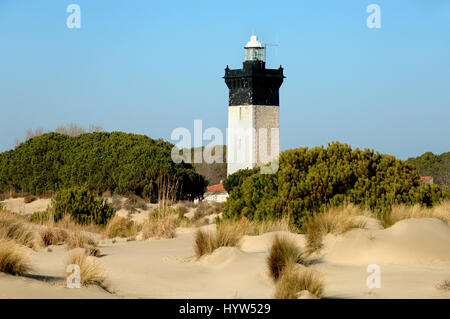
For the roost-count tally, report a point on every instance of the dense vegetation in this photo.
(437, 166)
(119, 162)
(80, 204)
(310, 180)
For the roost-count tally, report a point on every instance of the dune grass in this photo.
(161, 225)
(79, 239)
(283, 253)
(120, 227)
(335, 221)
(52, 236)
(91, 271)
(14, 227)
(204, 243)
(292, 281)
(229, 233)
(444, 285)
(400, 212)
(14, 259)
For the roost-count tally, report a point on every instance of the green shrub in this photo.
(237, 178)
(82, 206)
(311, 180)
(119, 162)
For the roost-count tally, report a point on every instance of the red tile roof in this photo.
(218, 188)
(425, 178)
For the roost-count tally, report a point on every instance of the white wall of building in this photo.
(247, 145)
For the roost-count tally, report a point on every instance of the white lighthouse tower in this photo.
(254, 110)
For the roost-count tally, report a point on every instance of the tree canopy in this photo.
(437, 166)
(310, 180)
(120, 162)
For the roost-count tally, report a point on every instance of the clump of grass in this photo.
(68, 223)
(29, 199)
(14, 259)
(161, 224)
(292, 281)
(120, 227)
(283, 253)
(230, 232)
(91, 271)
(80, 240)
(445, 285)
(267, 226)
(205, 243)
(227, 235)
(92, 251)
(16, 228)
(334, 221)
(52, 236)
(400, 212)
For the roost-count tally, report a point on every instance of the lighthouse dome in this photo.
(253, 43)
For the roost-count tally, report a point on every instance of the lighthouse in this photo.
(253, 133)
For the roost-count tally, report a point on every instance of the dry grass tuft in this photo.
(92, 251)
(163, 225)
(283, 253)
(334, 221)
(267, 226)
(292, 281)
(400, 212)
(69, 224)
(227, 235)
(29, 199)
(205, 243)
(52, 236)
(91, 271)
(445, 285)
(80, 240)
(120, 227)
(13, 227)
(14, 259)
(230, 232)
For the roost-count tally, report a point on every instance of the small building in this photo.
(426, 179)
(216, 193)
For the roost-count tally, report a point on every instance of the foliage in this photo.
(311, 180)
(82, 206)
(283, 252)
(237, 178)
(119, 162)
(14, 259)
(437, 166)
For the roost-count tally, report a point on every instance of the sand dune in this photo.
(409, 242)
(17, 205)
(414, 256)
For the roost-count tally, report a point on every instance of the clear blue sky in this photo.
(151, 66)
